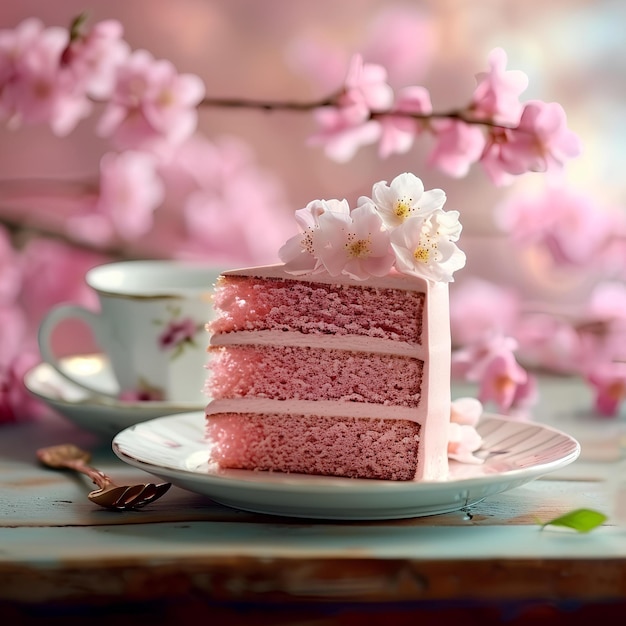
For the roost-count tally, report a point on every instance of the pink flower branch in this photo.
(149, 115)
(462, 115)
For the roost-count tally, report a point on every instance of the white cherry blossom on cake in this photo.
(356, 245)
(404, 198)
(426, 248)
(297, 253)
(401, 226)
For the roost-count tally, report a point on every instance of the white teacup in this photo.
(151, 326)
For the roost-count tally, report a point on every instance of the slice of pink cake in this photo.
(337, 362)
(330, 376)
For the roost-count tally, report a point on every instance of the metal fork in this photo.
(109, 495)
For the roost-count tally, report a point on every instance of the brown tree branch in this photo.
(461, 115)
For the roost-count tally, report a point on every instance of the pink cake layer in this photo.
(328, 446)
(245, 303)
(305, 373)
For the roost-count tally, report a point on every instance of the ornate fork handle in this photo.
(97, 477)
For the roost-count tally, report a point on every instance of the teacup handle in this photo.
(46, 330)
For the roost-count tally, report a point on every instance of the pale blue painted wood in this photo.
(47, 523)
(204, 540)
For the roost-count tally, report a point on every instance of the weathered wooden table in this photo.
(67, 561)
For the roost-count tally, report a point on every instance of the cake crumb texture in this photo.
(306, 373)
(313, 444)
(248, 303)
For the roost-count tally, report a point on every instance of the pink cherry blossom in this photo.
(466, 410)
(403, 198)
(367, 82)
(492, 160)
(463, 438)
(540, 143)
(398, 132)
(567, 224)
(33, 86)
(14, 43)
(425, 246)
(356, 245)
(457, 146)
(470, 361)
(298, 253)
(496, 96)
(463, 441)
(525, 398)
(152, 106)
(500, 380)
(130, 191)
(344, 130)
(92, 58)
(608, 380)
(347, 126)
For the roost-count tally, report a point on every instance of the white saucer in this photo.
(102, 415)
(174, 448)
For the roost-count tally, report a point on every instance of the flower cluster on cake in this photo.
(337, 361)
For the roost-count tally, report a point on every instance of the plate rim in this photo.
(290, 480)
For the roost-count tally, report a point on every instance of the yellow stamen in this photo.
(421, 254)
(426, 250)
(403, 208)
(359, 248)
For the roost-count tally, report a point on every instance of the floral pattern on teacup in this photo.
(179, 332)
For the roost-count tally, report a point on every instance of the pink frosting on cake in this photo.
(330, 376)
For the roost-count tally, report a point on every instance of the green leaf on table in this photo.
(581, 520)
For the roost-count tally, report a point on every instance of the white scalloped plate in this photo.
(174, 448)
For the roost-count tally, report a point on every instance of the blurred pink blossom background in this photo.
(545, 251)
